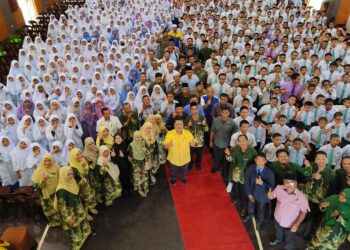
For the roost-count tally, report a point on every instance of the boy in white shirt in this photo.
(243, 129)
(337, 126)
(298, 150)
(271, 148)
(243, 115)
(333, 151)
(306, 115)
(259, 133)
(319, 135)
(299, 132)
(346, 110)
(281, 128)
(289, 110)
(269, 111)
(254, 91)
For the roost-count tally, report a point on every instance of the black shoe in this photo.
(246, 219)
(93, 232)
(243, 212)
(213, 171)
(172, 182)
(275, 242)
(184, 181)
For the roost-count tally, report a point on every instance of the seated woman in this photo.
(70, 208)
(45, 180)
(109, 172)
(81, 174)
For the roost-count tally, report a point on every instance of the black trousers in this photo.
(285, 234)
(220, 162)
(260, 207)
(198, 152)
(238, 193)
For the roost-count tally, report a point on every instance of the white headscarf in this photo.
(19, 156)
(5, 151)
(138, 99)
(39, 113)
(25, 132)
(11, 130)
(65, 154)
(58, 156)
(59, 132)
(34, 160)
(157, 99)
(129, 100)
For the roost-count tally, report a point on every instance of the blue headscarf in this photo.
(125, 92)
(135, 78)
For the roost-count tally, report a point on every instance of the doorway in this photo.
(28, 10)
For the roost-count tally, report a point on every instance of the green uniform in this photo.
(47, 206)
(279, 171)
(129, 127)
(239, 162)
(197, 129)
(95, 180)
(333, 231)
(111, 189)
(341, 180)
(317, 190)
(153, 150)
(87, 193)
(161, 150)
(71, 208)
(202, 75)
(140, 176)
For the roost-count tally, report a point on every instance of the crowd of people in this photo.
(119, 87)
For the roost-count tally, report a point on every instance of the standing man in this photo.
(291, 209)
(221, 131)
(110, 121)
(130, 122)
(178, 142)
(197, 125)
(258, 180)
(176, 35)
(294, 87)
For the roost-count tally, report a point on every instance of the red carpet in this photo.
(207, 219)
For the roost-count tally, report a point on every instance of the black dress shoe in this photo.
(184, 181)
(172, 182)
(213, 171)
(275, 242)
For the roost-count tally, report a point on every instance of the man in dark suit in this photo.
(259, 179)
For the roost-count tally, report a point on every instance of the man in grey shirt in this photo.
(221, 131)
(216, 111)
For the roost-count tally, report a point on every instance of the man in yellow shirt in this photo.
(178, 142)
(176, 35)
